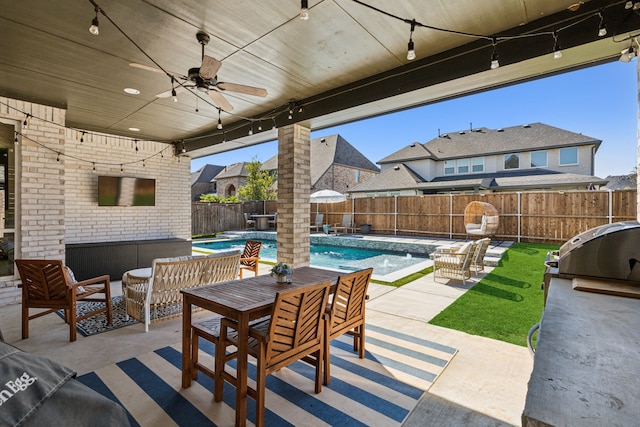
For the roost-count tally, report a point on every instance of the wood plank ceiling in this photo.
(346, 62)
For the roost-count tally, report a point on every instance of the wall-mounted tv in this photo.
(126, 191)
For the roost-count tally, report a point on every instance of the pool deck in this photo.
(420, 246)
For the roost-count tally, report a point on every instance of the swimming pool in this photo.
(335, 257)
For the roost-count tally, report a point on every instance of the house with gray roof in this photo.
(335, 165)
(231, 178)
(202, 181)
(519, 158)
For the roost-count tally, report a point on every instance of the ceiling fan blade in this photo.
(146, 67)
(219, 100)
(167, 94)
(249, 90)
(209, 67)
(158, 70)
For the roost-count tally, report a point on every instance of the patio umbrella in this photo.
(327, 196)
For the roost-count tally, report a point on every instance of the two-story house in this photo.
(203, 182)
(528, 157)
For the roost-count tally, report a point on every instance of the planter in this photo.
(281, 278)
(365, 228)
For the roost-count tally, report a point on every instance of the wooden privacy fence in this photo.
(546, 217)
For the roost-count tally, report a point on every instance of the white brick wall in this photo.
(57, 201)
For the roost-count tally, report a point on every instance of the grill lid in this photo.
(610, 251)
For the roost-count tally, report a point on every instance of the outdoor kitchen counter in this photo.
(587, 362)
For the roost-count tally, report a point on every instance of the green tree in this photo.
(259, 184)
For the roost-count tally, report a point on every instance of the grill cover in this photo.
(610, 252)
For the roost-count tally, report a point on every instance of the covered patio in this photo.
(88, 92)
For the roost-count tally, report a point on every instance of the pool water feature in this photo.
(343, 258)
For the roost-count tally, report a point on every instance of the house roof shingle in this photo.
(484, 142)
(206, 173)
(233, 170)
(334, 150)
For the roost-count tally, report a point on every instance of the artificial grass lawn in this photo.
(507, 302)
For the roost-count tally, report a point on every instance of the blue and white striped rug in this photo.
(379, 390)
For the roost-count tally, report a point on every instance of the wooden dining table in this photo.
(242, 300)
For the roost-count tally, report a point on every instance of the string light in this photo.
(121, 168)
(25, 123)
(495, 63)
(95, 25)
(557, 53)
(82, 136)
(304, 9)
(136, 142)
(602, 30)
(219, 120)
(251, 129)
(411, 53)
(260, 126)
(58, 157)
(94, 166)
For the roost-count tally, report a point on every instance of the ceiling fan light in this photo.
(628, 5)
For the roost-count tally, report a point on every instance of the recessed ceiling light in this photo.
(134, 129)
(132, 91)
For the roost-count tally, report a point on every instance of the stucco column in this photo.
(638, 143)
(294, 184)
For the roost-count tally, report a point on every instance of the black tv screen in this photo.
(126, 191)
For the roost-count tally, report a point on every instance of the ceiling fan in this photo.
(205, 79)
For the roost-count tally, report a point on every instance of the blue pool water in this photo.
(340, 257)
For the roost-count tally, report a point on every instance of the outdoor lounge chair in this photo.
(481, 219)
(294, 332)
(48, 284)
(477, 262)
(250, 257)
(345, 314)
(346, 225)
(317, 224)
(454, 263)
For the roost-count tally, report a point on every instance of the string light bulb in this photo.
(219, 120)
(95, 25)
(602, 30)
(495, 63)
(174, 95)
(627, 54)
(251, 129)
(411, 53)
(557, 53)
(304, 10)
(628, 5)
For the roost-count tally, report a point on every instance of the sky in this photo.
(600, 102)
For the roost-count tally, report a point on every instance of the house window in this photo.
(568, 156)
(539, 159)
(477, 164)
(357, 175)
(449, 167)
(512, 161)
(463, 166)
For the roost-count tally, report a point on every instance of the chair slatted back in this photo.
(319, 220)
(43, 280)
(251, 250)
(346, 221)
(348, 304)
(296, 322)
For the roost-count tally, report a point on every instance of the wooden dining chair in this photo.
(346, 314)
(48, 284)
(249, 260)
(293, 332)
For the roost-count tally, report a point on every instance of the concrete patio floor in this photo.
(484, 385)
